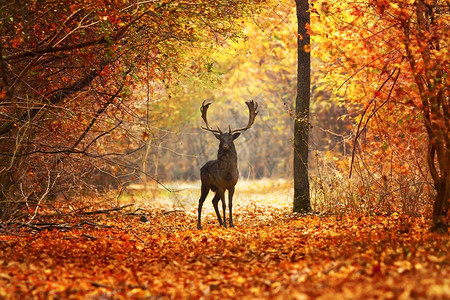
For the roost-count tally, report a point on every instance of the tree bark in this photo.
(302, 201)
(435, 109)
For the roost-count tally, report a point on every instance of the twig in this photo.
(45, 226)
(105, 211)
(142, 241)
(133, 214)
(173, 211)
(96, 284)
(79, 225)
(91, 237)
(50, 226)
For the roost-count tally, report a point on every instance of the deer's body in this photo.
(222, 174)
(218, 176)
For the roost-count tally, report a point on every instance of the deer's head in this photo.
(226, 138)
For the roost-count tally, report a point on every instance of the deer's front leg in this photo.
(230, 205)
(221, 194)
(205, 191)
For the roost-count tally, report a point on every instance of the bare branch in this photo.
(374, 111)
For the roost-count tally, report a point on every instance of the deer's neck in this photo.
(228, 159)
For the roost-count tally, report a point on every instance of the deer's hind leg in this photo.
(205, 191)
(230, 205)
(221, 195)
(215, 202)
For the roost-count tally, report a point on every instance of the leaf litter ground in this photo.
(271, 253)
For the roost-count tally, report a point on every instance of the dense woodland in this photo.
(100, 120)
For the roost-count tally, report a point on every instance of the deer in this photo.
(222, 174)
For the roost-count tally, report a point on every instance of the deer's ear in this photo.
(217, 136)
(236, 135)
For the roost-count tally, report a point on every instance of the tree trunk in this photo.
(435, 108)
(301, 123)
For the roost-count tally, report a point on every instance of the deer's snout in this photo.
(226, 147)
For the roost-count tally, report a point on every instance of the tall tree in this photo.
(392, 58)
(302, 201)
(431, 30)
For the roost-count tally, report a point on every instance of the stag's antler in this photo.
(204, 109)
(252, 111)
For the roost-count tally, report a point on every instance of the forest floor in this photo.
(271, 253)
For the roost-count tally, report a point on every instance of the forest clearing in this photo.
(270, 254)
